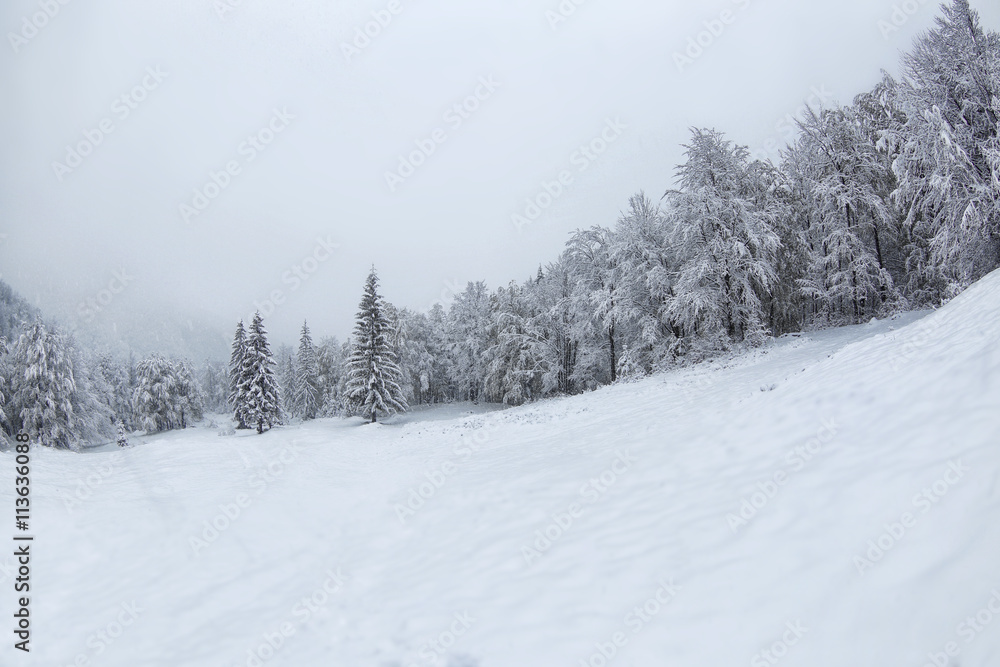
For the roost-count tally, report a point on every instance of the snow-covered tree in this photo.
(122, 434)
(373, 383)
(154, 399)
(514, 358)
(42, 388)
(469, 318)
(724, 235)
(189, 397)
(948, 162)
(237, 400)
(306, 386)
(844, 177)
(258, 386)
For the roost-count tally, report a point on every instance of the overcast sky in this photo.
(198, 85)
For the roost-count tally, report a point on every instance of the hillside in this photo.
(698, 518)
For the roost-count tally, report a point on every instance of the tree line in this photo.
(889, 203)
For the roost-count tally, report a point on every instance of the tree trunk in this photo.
(614, 363)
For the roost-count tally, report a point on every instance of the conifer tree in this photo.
(43, 388)
(373, 376)
(306, 386)
(122, 437)
(258, 387)
(236, 398)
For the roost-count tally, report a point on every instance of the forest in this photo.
(887, 204)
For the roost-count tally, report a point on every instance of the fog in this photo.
(181, 164)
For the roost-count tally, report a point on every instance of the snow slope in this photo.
(322, 562)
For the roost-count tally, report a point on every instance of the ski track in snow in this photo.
(905, 397)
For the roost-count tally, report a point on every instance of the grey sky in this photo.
(342, 122)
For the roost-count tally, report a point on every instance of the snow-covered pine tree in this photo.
(306, 387)
(258, 386)
(373, 376)
(122, 436)
(237, 400)
(189, 396)
(42, 388)
(154, 399)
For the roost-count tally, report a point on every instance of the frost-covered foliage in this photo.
(43, 389)
(237, 399)
(258, 387)
(306, 393)
(373, 376)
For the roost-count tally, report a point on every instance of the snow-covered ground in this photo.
(832, 500)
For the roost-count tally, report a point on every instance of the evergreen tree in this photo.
(237, 400)
(258, 386)
(373, 376)
(42, 388)
(306, 384)
(155, 399)
(122, 437)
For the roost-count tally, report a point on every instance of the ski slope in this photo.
(831, 500)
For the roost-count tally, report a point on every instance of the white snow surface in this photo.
(890, 408)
